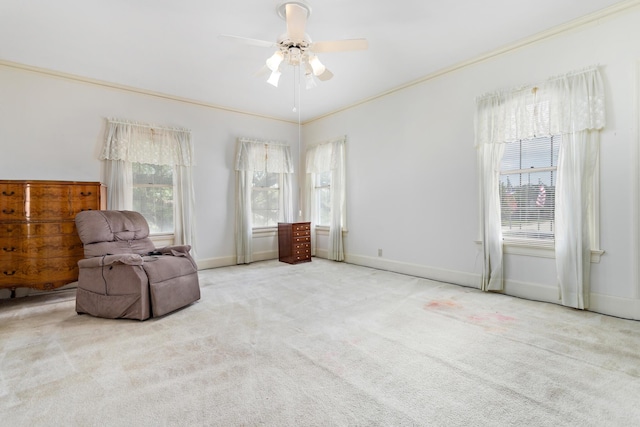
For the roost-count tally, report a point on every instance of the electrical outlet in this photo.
(379, 252)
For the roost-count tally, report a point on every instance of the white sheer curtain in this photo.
(129, 142)
(573, 106)
(323, 157)
(254, 155)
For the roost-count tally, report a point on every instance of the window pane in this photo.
(265, 199)
(324, 205)
(527, 197)
(272, 180)
(156, 205)
(527, 208)
(532, 153)
(259, 179)
(153, 195)
(144, 173)
(259, 199)
(323, 179)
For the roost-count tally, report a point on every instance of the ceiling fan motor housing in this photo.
(282, 8)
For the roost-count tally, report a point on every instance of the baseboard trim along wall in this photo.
(627, 308)
(205, 264)
(441, 275)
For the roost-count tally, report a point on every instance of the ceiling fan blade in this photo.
(245, 40)
(327, 75)
(339, 45)
(262, 71)
(296, 17)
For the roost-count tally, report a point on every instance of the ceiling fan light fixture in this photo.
(310, 81)
(274, 78)
(316, 65)
(275, 60)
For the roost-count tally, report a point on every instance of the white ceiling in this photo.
(171, 46)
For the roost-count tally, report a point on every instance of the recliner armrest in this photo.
(180, 251)
(176, 248)
(129, 259)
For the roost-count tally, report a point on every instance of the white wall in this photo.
(52, 128)
(412, 176)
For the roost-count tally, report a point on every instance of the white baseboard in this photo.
(441, 275)
(627, 308)
(204, 264)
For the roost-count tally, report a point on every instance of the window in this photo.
(323, 198)
(528, 174)
(153, 195)
(265, 199)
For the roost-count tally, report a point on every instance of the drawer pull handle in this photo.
(82, 193)
(8, 194)
(11, 249)
(10, 273)
(8, 211)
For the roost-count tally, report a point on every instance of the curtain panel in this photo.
(129, 142)
(254, 155)
(572, 105)
(324, 157)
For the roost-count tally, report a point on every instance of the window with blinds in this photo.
(527, 189)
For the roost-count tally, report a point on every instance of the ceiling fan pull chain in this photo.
(296, 77)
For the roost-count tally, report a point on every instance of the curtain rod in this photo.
(264, 141)
(144, 125)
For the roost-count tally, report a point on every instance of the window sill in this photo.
(538, 250)
(162, 239)
(264, 231)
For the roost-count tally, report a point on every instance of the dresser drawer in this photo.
(34, 271)
(38, 229)
(11, 202)
(302, 239)
(298, 234)
(302, 249)
(84, 198)
(305, 226)
(54, 246)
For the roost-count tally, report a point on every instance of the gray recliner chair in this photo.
(123, 275)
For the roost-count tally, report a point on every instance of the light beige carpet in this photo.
(320, 344)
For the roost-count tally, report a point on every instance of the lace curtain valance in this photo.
(262, 155)
(569, 103)
(323, 157)
(142, 143)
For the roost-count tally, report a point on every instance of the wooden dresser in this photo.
(39, 244)
(294, 242)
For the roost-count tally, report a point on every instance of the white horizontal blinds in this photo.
(528, 174)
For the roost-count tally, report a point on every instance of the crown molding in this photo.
(132, 89)
(544, 35)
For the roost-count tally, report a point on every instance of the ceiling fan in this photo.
(296, 48)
